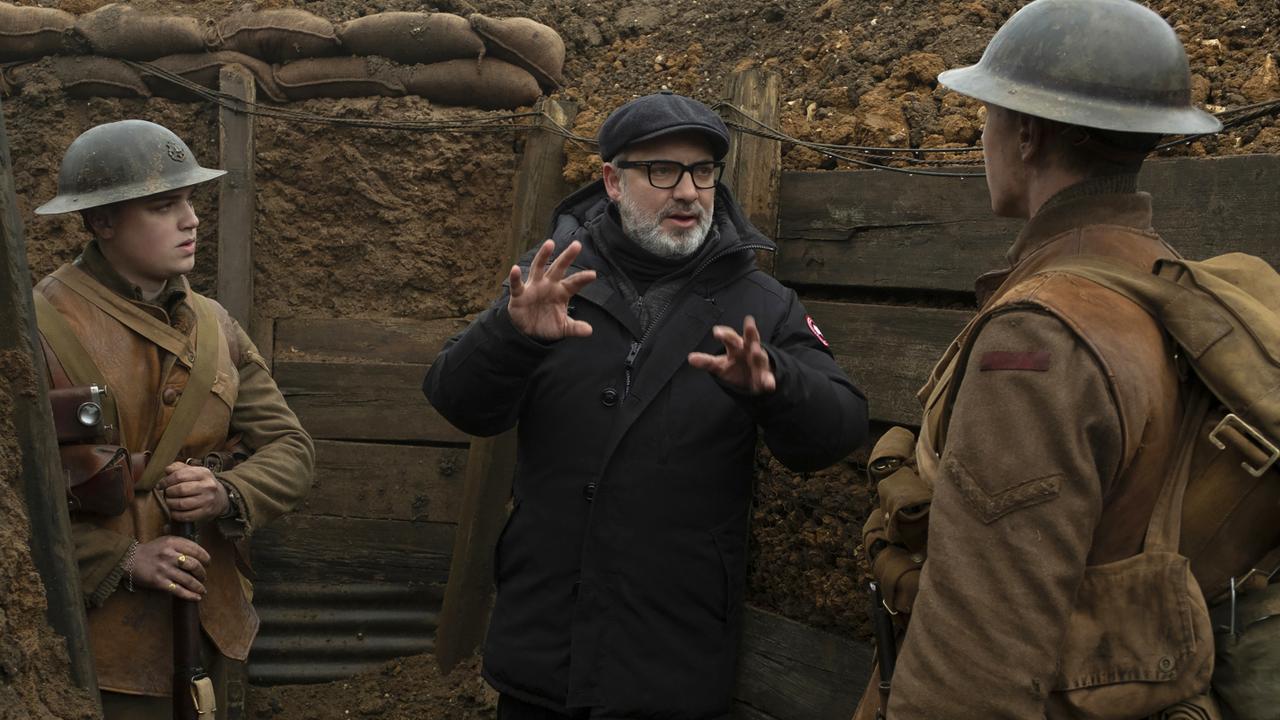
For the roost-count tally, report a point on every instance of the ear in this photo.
(1033, 136)
(612, 182)
(101, 222)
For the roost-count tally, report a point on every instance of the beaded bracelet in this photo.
(127, 565)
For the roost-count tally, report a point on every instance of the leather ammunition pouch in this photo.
(100, 478)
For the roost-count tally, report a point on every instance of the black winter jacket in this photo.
(620, 572)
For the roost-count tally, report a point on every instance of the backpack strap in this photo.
(1164, 530)
(199, 385)
(71, 363)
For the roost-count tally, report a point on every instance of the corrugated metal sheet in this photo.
(316, 633)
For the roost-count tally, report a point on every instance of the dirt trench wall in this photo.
(35, 676)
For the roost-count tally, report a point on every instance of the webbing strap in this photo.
(77, 363)
(199, 385)
(123, 310)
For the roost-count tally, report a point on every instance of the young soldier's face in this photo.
(152, 238)
(670, 222)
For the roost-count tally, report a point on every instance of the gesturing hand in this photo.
(171, 564)
(192, 493)
(539, 308)
(744, 365)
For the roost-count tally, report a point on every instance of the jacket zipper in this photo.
(636, 345)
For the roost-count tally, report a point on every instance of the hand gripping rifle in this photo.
(193, 693)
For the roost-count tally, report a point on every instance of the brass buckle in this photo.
(1232, 420)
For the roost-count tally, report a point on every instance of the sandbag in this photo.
(524, 42)
(279, 35)
(489, 84)
(118, 30)
(412, 37)
(203, 69)
(29, 33)
(84, 77)
(338, 77)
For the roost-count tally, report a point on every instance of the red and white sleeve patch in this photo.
(813, 328)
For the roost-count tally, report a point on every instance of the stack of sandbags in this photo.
(492, 63)
(27, 33)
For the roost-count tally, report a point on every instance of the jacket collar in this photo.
(95, 263)
(1090, 218)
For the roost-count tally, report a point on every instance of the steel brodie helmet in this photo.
(121, 161)
(1105, 64)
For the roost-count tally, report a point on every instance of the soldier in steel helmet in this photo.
(123, 315)
(1050, 423)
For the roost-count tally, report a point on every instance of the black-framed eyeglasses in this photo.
(666, 174)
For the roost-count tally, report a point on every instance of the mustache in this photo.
(676, 207)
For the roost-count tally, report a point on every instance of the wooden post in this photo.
(41, 471)
(236, 199)
(539, 187)
(753, 167)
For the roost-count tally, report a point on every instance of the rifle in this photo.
(886, 646)
(193, 694)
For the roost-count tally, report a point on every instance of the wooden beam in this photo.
(379, 480)
(345, 340)
(236, 198)
(40, 474)
(306, 549)
(539, 186)
(888, 350)
(363, 401)
(877, 229)
(790, 671)
(754, 164)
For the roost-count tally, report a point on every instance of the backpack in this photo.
(1223, 316)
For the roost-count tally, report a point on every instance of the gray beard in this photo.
(645, 229)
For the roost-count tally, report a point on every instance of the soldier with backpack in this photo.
(1095, 469)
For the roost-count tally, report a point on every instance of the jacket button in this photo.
(170, 396)
(589, 491)
(608, 397)
(1166, 664)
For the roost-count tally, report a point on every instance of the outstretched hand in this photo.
(744, 365)
(539, 307)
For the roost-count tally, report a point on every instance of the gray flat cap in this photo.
(660, 114)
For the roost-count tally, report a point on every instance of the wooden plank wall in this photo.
(356, 575)
(874, 233)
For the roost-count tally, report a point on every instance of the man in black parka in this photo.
(639, 365)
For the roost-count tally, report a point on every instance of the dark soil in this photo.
(35, 676)
(405, 689)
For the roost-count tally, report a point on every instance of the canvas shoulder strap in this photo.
(193, 398)
(122, 310)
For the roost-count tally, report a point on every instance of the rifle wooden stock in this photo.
(187, 664)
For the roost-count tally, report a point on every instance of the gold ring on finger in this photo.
(182, 560)
(172, 587)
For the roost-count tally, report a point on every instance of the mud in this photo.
(405, 689)
(35, 676)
